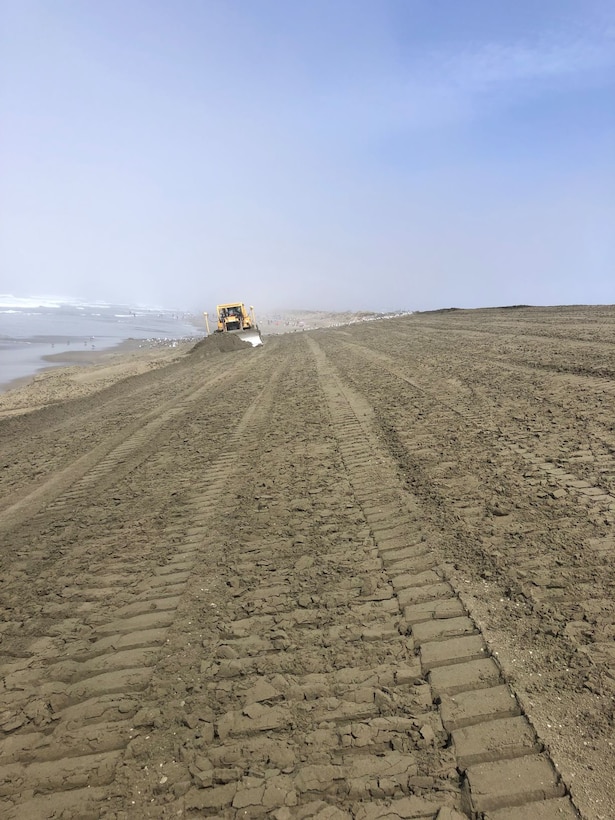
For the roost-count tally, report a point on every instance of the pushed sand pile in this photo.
(220, 343)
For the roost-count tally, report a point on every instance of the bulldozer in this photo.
(234, 318)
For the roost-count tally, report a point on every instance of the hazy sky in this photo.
(371, 154)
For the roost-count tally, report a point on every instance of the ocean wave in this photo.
(7, 300)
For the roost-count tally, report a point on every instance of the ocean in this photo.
(32, 328)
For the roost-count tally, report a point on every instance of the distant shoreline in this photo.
(87, 358)
(34, 339)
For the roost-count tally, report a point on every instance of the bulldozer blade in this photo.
(253, 337)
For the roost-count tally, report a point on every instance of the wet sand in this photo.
(79, 373)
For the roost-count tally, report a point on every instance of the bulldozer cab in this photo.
(232, 317)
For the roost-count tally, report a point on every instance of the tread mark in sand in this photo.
(578, 491)
(67, 722)
(111, 458)
(599, 498)
(506, 770)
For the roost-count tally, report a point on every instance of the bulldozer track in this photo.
(562, 495)
(599, 449)
(73, 700)
(582, 476)
(83, 421)
(528, 330)
(306, 696)
(115, 456)
(338, 665)
(475, 704)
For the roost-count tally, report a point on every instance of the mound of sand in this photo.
(220, 343)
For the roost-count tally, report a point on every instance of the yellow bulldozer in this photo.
(234, 318)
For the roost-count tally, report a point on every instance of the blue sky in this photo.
(309, 153)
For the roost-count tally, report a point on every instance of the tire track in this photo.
(600, 498)
(518, 536)
(115, 456)
(526, 328)
(67, 722)
(502, 761)
(48, 427)
(305, 698)
(542, 581)
(328, 667)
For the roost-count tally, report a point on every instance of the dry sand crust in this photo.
(360, 572)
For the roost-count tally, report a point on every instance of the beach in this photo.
(363, 565)
(82, 373)
(39, 334)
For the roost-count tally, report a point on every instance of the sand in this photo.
(358, 572)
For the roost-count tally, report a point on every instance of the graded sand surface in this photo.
(359, 572)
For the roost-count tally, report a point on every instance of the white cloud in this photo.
(437, 87)
(501, 64)
(503, 72)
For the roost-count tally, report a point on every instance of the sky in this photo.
(308, 154)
